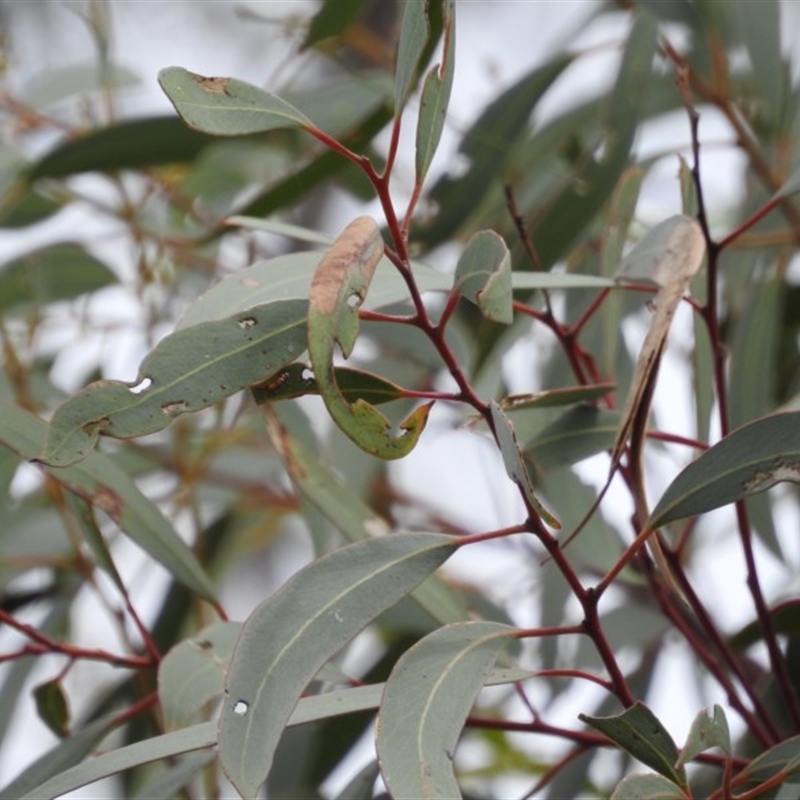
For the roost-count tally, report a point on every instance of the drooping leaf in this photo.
(577, 200)
(226, 106)
(193, 673)
(61, 271)
(425, 703)
(187, 371)
(483, 276)
(639, 732)
(549, 398)
(288, 638)
(90, 770)
(484, 148)
(670, 254)
(352, 517)
(515, 464)
(338, 289)
(109, 488)
(706, 732)
(414, 33)
(751, 459)
(52, 707)
(436, 97)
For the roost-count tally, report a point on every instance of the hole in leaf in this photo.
(354, 301)
(246, 322)
(179, 406)
(240, 708)
(307, 374)
(144, 383)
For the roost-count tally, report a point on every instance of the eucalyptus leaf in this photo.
(288, 638)
(483, 276)
(751, 459)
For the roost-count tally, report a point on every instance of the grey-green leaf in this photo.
(226, 106)
(483, 276)
(107, 487)
(133, 755)
(435, 97)
(187, 371)
(648, 787)
(414, 33)
(706, 732)
(193, 672)
(425, 703)
(288, 638)
(514, 463)
(639, 732)
(751, 459)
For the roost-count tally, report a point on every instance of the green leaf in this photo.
(639, 732)
(52, 707)
(61, 271)
(226, 106)
(783, 759)
(187, 371)
(192, 674)
(425, 703)
(706, 732)
(515, 464)
(580, 432)
(751, 459)
(296, 380)
(436, 97)
(333, 17)
(57, 761)
(648, 787)
(169, 782)
(107, 487)
(129, 144)
(760, 29)
(353, 518)
(288, 638)
(167, 745)
(485, 148)
(338, 289)
(414, 33)
(483, 276)
(580, 198)
(785, 622)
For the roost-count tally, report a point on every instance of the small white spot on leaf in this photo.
(142, 386)
(241, 708)
(178, 407)
(767, 478)
(246, 322)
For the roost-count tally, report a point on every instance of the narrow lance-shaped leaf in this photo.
(483, 276)
(226, 106)
(425, 703)
(783, 759)
(414, 33)
(435, 97)
(353, 518)
(515, 465)
(639, 732)
(750, 460)
(107, 487)
(288, 638)
(187, 371)
(338, 289)
(670, 254)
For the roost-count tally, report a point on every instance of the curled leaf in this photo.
(338, 289)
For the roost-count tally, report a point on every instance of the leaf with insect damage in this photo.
(670, 254)
(338, 289)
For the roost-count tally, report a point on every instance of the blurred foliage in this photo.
(503, 295)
